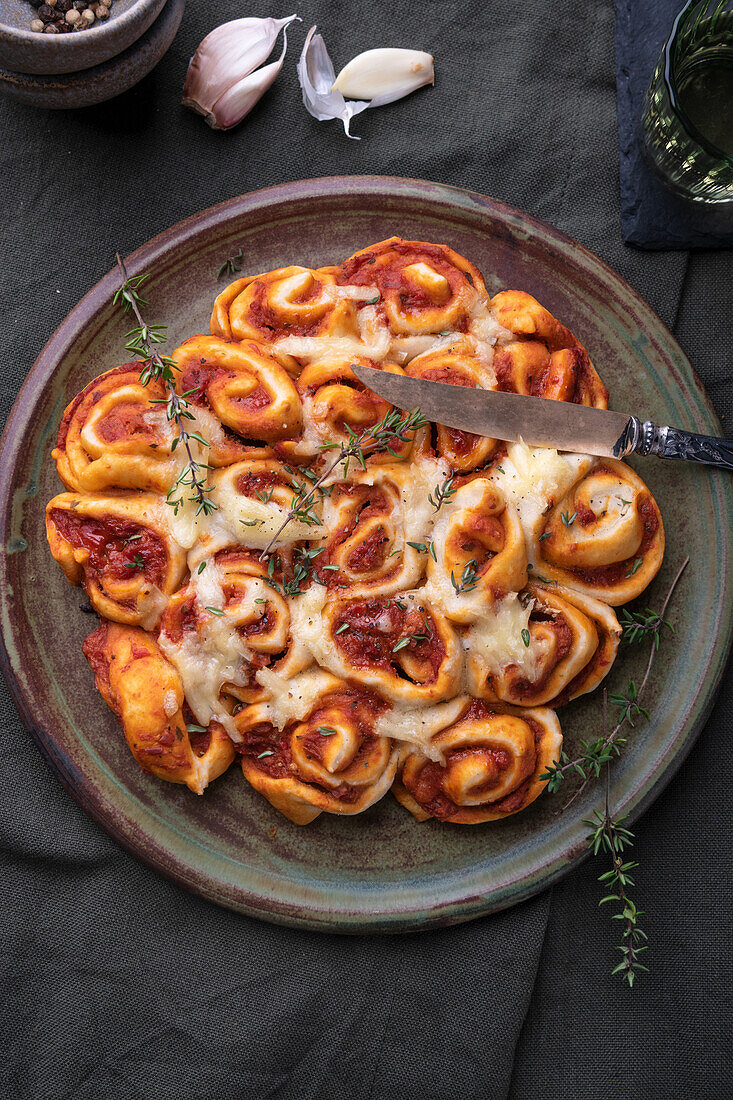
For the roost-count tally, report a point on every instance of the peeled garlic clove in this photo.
(239, 100)
(316, 75)
(385, 74)
(225, 58)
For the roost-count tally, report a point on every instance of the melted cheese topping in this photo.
(292, 698)
(417, 725)
(213, 655)
(535, 478)
(496, 640)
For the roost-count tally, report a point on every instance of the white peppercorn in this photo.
(88, 16)
(72, 17)
(37, 25)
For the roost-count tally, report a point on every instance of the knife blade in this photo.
(539, 421)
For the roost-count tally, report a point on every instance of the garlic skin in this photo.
(382, 73)
(223, 81)
(316, 75)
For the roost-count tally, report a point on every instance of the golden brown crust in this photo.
(492, 761)
(145, 692)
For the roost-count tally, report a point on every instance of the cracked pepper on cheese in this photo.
(416, 626)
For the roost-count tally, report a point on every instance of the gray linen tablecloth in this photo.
(118, 984)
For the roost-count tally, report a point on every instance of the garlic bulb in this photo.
(378, 76)
(385, 72)
(223, 81)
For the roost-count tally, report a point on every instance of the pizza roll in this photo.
(543, 648)
(121, 550)
(423, 288)
(116, 434)
(546, 360)
(329, 759)
(376, 523)
(247, 388)
(605, 537)
(457, 365)
(226, 623)
(145, 692)
(289, 301)
(254, 498)
(400, 645)
(493, 758)
(479, 554)
(336, 403)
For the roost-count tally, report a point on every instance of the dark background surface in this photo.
(118, 984)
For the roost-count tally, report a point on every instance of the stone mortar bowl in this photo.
(25, 51)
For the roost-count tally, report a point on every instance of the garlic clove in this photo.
(239, 100)
(225, 57)
(385, 74)
(316, 75)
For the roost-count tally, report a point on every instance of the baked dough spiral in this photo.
(546, 360)
(401, 646)
(116, 434)
(605, 538)
(336, 403)
(458, 364)
(553, 646)
(247, 388)
(121, 550)
(477, 535)
(145, 692)
(423, 288)
(493, 759)
(331, 759)
(290, 301)
(375, 527)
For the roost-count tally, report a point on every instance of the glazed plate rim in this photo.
(318, 909)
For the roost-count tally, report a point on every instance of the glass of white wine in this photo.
(687, 124)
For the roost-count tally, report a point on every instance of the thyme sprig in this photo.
(232, 265)
(442, 492)
(639, 625)
(142, 341)
(392, 428)
(610, 835)
(599, 751)
(469, 578)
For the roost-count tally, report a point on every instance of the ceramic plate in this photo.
(380, 871)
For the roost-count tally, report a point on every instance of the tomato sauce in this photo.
(615, 572)
(374, 626)
(113, 544)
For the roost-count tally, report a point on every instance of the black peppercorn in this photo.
(51, 29)
(63, 5)
(46, 14)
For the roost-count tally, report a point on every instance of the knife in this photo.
(543, 422)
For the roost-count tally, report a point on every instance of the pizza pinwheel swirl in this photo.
(458, 364)
(605, 537)
(492, 760)
(336, 403)
(541, 648)
(422, 288)
(292, 301)
(331, 758)
(478, 552)
(345, 598)
(121, 549)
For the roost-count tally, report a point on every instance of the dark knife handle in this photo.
(647, 438)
